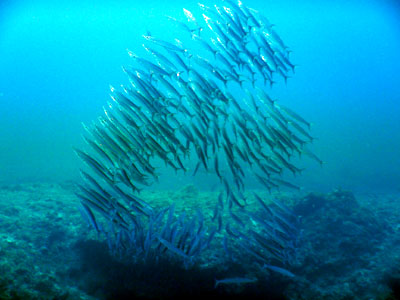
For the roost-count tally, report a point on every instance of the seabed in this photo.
(349, 249)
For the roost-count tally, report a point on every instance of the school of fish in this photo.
(210, 107)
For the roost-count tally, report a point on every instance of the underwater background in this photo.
(57, 61)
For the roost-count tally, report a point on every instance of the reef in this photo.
(349, 250)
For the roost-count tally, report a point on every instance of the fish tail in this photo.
(294, 68)
(216, 284)
(215, 54)
(253, 82)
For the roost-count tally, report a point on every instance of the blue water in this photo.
(57, 60)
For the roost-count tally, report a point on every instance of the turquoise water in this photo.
(58, 59)
(334, 238)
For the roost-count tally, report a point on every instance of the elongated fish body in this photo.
(235, 280)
